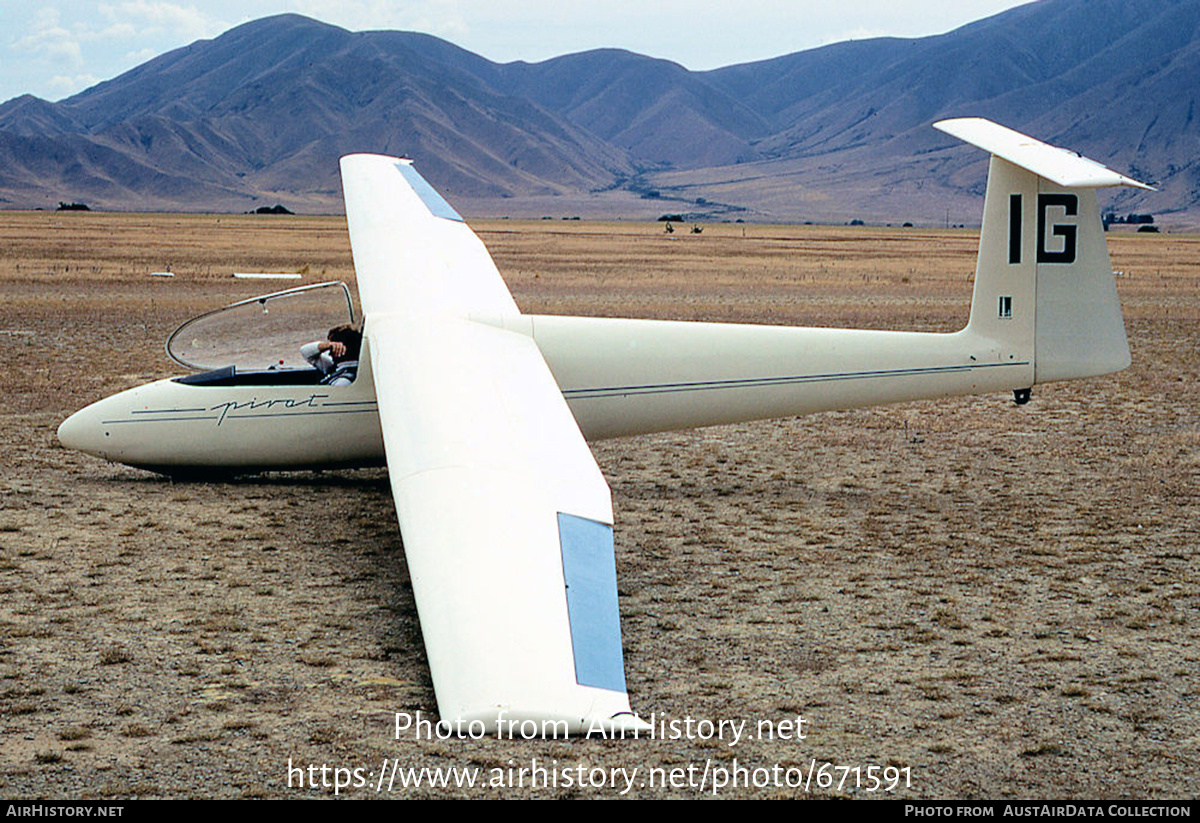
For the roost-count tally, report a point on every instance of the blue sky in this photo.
(55, 48)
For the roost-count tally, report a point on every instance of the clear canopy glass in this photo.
(263, 332)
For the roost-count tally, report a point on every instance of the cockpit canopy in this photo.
(262, 333)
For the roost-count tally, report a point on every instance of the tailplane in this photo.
(1044, 288)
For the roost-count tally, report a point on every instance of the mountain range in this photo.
(260, 115)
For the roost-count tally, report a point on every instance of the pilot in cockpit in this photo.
(337, 356)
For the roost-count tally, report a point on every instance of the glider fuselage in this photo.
(620, 377)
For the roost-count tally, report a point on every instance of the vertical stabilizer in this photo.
(1044, 286)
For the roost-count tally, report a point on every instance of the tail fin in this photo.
(1044, 288)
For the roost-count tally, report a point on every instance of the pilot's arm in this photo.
(321, 353)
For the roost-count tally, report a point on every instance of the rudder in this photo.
(1080, 330)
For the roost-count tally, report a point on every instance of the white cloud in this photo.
(139, 56)
(156, 17)
(48, 40)
(115, 31)
(68, 85)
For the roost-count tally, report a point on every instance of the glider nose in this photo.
(81, 432)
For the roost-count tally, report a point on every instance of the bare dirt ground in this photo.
(1003, 601)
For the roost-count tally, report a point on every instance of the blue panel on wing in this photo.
(429, 196)
(590, 570)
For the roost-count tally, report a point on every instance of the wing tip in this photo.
(366, 155)
(376, 167)
(348, 163)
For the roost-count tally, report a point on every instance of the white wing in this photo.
(506, 519)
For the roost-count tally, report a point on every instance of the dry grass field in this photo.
(1003, 600)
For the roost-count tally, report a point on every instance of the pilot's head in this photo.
(350, 337)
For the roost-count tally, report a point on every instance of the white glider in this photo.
(481, 412)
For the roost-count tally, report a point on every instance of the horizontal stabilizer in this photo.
(1066, 168)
